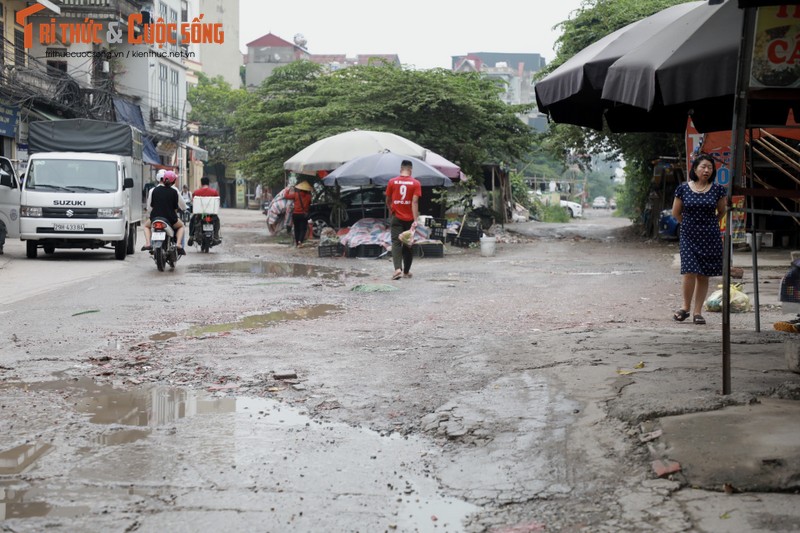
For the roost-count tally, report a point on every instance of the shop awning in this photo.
(130, 113)
(200, 154)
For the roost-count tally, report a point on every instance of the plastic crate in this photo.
(330, 250)
(436, 222)
(365, 250)
(461, 242)
(438, 234)
(428, 249)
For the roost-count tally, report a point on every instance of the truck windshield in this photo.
(73, 175)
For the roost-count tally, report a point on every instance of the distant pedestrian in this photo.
(301, 194)
(699, 206)
(402, 198)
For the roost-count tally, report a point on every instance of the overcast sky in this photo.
(423, 33)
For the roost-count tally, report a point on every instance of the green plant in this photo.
(554, 213)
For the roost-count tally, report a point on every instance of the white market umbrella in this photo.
(332, 152)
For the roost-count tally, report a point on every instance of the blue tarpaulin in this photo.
(130, 113)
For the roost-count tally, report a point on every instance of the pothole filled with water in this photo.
(236, 441)
(253, 321)
(272, 269)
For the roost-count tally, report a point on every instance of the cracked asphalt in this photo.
(253, 389)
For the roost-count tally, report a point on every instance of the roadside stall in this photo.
(370, 237)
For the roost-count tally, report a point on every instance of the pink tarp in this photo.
(376, 231)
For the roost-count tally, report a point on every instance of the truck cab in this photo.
(76, 200)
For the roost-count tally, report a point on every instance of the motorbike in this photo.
(204, 232)
(162, 240)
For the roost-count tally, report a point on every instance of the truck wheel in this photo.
(132, 231)
(31, 249)
(49, 249)
(120, 249)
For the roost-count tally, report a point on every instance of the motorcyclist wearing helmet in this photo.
(160, 179)
(165, 203)
(204, 190)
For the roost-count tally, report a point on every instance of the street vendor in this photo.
(301, 194)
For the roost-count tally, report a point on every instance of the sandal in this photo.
(397, 275)
(698, 319)
(680, 315)
(408, 275)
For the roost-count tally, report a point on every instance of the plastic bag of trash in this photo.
(407, 237)
(740, 302)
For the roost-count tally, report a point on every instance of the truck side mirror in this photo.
(127, 183)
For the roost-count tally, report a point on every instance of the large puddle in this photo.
(253, 321)
(271, 269)
(158, 438)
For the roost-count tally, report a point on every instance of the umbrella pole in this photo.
(739, 125)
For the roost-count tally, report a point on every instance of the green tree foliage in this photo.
(459, 116)
(213, 103)
(594, 20)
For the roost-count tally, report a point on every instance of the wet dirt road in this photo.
(261, 388)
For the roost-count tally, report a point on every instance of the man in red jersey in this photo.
(204, 190)
(402, 198)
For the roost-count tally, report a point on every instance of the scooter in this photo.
(205, 233)
(162, 240)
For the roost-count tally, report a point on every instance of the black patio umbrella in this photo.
(572, 92)
(379, 168)
(686, 67)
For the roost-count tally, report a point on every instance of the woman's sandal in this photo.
(698, 319)
(680, 315)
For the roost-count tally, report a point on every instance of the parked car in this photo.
(353, 205)
(599, 203)
(573, 208)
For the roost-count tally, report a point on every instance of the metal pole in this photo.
(739, 125)
(756, 244)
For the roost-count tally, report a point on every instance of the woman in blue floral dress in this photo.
(699, 206)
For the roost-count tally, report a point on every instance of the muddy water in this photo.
(274, 270)
(234, 453)
(253, 321)
(17, 459)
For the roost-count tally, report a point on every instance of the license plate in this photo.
(158, 236)
(68, 227)
(208, 227)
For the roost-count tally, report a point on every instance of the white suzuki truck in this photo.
(82, 187)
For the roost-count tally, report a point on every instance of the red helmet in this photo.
(170, 177)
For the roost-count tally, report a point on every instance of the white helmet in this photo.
(160, 175)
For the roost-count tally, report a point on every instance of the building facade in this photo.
(516, 73)
(62, 73)
(267, 53)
